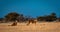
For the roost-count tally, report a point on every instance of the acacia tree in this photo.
(50, 17)
(11, 16)
(53, 16)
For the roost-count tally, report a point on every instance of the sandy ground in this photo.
(39, 27)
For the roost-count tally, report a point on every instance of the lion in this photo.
(13, 24)
(31, 21)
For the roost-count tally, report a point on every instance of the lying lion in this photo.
(13, 24)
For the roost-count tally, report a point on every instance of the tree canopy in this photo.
(11, 16)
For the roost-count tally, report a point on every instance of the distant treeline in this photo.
(13, 16)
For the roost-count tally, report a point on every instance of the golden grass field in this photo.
(39, 27)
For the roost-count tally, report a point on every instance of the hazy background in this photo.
(30, 7)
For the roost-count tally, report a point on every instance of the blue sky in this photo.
(30, 7)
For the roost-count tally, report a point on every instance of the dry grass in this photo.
(39, 27)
